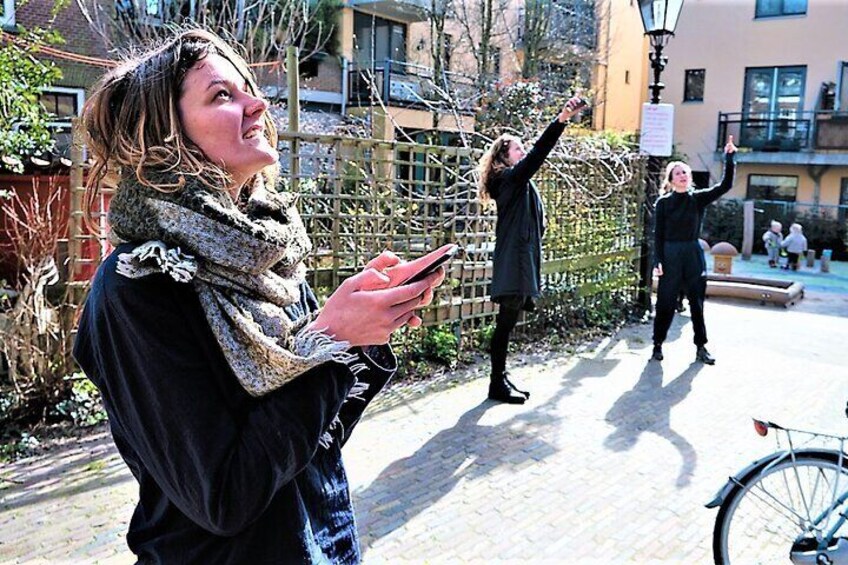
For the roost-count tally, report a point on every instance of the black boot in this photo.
(500, 391)
(704, 356)
(657, 354)
(511, 385)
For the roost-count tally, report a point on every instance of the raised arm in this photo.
(709, 195)
(522, 171)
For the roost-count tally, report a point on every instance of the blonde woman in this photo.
(678, 258)
(505, 178)
(229, 392)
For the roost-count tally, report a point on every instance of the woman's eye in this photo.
(223, 95)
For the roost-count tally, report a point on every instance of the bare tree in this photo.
(263, 27)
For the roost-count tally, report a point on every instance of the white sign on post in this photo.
(657, 129)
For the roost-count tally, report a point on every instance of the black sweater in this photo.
(223, 477)
(678, 215)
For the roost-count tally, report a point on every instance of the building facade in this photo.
(774, 74)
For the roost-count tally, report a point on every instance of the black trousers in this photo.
(793, 260)
(684, 269)
(509, 310)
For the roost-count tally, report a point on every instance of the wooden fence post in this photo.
(293, 80)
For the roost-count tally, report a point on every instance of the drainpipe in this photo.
(816, 172)
(345, 80)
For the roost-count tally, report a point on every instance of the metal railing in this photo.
(408, 85)
(791, 132)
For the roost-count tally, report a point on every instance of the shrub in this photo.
(83, 407)
(441, 344)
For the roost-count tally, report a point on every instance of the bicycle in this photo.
(788, 507)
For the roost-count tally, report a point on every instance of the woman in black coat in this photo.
(505, 173)
(229, 391)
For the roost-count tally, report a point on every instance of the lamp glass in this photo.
(659, 17)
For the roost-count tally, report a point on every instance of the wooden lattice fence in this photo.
(360, 196)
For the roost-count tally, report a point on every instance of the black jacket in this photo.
(223, 477)
(521, 222)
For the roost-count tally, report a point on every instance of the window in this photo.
(7, 13)
(772, 107)
(378, 40)
(149, 12)
(772, 187)
(693, 89)
(771, 8)
(626, 77)
(701, 179)
(61, 105)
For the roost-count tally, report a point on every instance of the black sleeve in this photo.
(159, 368)
(520, 173)
(704, 197)
(381, 364)
(659, 232)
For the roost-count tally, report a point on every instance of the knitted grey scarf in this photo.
(246, 263)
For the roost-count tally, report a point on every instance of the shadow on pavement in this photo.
(83, 469)
(647, 408)
(467, 450)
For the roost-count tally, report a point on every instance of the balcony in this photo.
(812, 137)
(407, 11)
(403, 84)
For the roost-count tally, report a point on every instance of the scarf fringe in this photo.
(317, 347)
(155, 257)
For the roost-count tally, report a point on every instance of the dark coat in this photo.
(521, 222)
(224, 477)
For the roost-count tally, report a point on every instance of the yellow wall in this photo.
(621, 80)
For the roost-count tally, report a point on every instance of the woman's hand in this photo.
(364, 310)
(571, 108)
(658, 272)
(729, 148)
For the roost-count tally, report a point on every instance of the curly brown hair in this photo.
(133, 122)
(493, 162)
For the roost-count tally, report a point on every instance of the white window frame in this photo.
(80, 96)
(7, 20)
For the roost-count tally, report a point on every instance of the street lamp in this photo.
(659, 18)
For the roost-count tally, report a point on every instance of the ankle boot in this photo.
(657, 354)
(500, 391)
(511, 385)
(704, 356)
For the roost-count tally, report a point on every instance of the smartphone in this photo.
(432, 261)
(582, 104)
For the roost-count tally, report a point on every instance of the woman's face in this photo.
(680, 178)
(224, 120)
(515, 153)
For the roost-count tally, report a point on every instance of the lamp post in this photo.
(659, 18)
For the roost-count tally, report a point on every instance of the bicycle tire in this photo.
(725, 551)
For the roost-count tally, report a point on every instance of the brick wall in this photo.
(75, 30)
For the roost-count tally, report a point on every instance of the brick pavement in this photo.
(610, 461)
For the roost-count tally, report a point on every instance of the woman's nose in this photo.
(256, 105)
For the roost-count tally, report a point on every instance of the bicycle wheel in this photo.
(769, 517)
